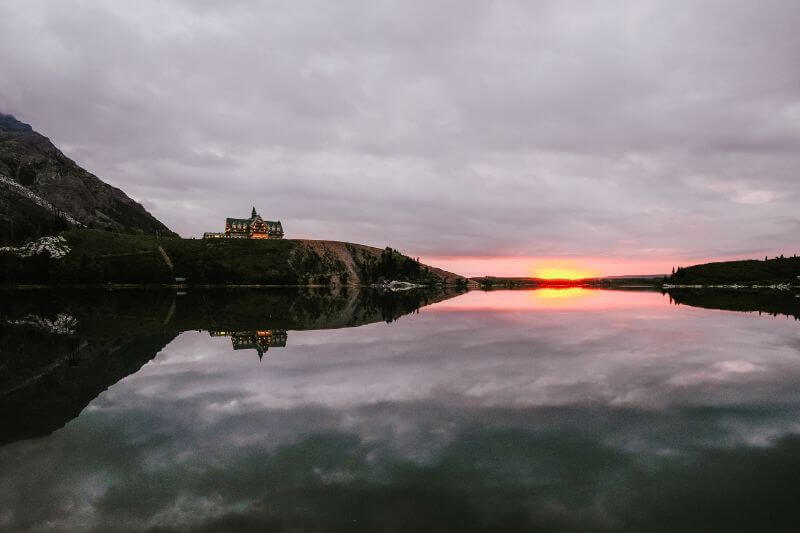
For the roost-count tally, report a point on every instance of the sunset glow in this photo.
(560, 269)
(548, 267)
(550, 299)
(577, 267)
(559, 273)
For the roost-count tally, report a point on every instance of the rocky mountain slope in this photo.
(43, 191)
(367, 264)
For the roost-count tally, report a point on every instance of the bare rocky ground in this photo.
(349, 254)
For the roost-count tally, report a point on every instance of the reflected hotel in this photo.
(259, 340)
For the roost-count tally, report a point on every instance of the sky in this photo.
(506, 138)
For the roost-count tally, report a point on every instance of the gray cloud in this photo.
(479, 128)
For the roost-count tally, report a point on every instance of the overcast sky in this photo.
(632, 133)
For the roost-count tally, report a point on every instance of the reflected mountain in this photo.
(771, 302)
(59, 350)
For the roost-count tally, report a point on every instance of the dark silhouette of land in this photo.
(60, 349)
(776, 270)
(745, 300)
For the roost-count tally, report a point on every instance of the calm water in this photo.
(501, 411)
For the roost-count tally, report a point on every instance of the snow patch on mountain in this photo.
(56, 245)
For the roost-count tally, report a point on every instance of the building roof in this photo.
(248, 221)
(274, 225)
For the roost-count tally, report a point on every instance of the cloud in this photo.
(448, 128)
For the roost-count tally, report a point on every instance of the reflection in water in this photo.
(746, 300)
(551, 299)
(61, 349)
(475, 414)
(558, 293)
(260, 341)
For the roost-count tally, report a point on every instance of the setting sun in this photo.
(559, 269)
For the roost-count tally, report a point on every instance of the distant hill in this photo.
(85, 256)
(519, 282)
(776, 270)
(636, 276)
(42, 191)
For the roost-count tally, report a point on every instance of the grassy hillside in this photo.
(103, 257)
(777, 270)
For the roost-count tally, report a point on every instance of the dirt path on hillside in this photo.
(166, 257)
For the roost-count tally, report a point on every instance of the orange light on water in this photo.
(558, 294)
(549, 299)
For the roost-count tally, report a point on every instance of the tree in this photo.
(40, 266)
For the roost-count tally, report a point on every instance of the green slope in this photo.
(102, 257)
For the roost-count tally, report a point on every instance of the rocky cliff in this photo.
(43, 191)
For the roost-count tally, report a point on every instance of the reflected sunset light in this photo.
(549, 299)
(555, 293)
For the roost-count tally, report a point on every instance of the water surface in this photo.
(549, 410)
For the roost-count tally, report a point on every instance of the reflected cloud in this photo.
(61, 349)
(624, 414)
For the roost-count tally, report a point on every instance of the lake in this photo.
(317, 410)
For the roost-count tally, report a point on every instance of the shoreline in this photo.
(787, 287)
(182, 286)
(735, 286)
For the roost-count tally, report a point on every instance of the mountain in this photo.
(42, 191)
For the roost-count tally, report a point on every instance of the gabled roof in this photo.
(271, 222)
(274, 225)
